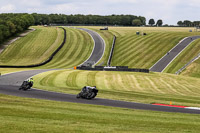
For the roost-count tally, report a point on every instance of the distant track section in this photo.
(172, 54)
(99, 47)
(43, 63)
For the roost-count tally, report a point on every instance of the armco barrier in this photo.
(43, 63)
(186, 65)
(117, 68)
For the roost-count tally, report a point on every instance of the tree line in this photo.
(11, 24)
(187, 23)
(122, 20)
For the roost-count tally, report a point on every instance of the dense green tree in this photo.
(151, 22)
(180, 23)
(12, 23)
(39, 18)
(11, 26)
(1, 36)
(187, 23)
(196, 23)
(136, 22)
(159, 22)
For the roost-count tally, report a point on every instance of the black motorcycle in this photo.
(26, 85)
(88, 92)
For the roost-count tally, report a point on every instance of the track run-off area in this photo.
(10, 83)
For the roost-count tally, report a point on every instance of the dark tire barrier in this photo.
(45, 62)
(116, 68)
(112, 50)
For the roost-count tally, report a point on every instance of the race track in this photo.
(9, 85)
(172, 54)
(99, 47)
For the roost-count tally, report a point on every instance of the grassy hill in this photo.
(34, 48)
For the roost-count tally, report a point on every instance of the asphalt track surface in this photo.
(99, 47)
(172, 54)
(9, 85)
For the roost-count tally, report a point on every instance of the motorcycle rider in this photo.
(88, 92)
(30, 81)
(27, 84)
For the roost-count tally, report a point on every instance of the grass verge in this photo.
(22, 115)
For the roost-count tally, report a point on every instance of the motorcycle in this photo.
(26, 85)
(88, 92)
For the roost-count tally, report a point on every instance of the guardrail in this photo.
(46, 61)
(190, 62)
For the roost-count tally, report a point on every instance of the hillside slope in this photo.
(193, 70)
(34, 48)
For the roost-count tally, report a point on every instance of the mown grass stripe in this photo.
(155, 88)
(122, 82)
(154, 50)
(128, 56)
(137, 85)
(169, 87)
(130, 44)
(61, 53)
(48, 79)
(61, 78)
(71, 79)
(65, 52)
(91, 78)
(135, 48)
(128, 84)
